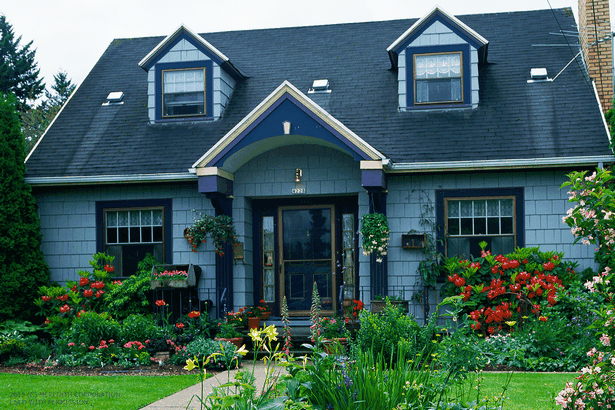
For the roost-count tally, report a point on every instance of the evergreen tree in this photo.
(62, 86)
(610, 119)
(18, 72)
(22, 264)
(36, 120)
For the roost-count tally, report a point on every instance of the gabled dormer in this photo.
(188, 79)
(437, 62)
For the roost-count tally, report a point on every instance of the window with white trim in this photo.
(438, 78)
(129, 234)
(184, 92)
(469, 221)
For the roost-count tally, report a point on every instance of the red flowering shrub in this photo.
(61, 304)
(500, 292)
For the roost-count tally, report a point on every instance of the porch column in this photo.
(217, 185)
(373, 179)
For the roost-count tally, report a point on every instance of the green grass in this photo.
(19, 391)
(527, 391)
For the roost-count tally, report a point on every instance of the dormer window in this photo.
(438, 78)
(437, 61)
(188, 79)
(184, 92)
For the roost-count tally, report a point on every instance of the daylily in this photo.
(190, 364)
(242, 350)
(271, 332)
(255, 335)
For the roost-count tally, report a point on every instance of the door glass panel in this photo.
(268, 260)
(348, 262)
(307, 257)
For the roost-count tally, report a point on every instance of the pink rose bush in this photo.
(591, 221)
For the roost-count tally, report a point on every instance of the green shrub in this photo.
(61, 305)
(22, 264)
(202, 348)
(132, 296)
(460, 353)
(382, 332)
(139, 327)
(11, 343)
(90, 328)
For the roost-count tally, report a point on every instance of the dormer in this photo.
(437, 63)
(188, 79)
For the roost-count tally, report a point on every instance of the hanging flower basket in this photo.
(219, 228)
(375, 235)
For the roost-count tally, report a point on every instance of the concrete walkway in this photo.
(180, 400)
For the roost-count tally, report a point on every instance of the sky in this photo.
(71, 35)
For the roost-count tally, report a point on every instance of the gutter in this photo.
(110, 179)
(521, 163)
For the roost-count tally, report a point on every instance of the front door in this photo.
(302, 241)
(306, 256)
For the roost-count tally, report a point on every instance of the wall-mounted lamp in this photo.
(298, 175)
(286, 125)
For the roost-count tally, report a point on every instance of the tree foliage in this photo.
(610, 119)
(22, 265)
(19, 74)
(36, 120)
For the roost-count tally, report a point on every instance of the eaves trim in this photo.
(420, 22)
(110, 179)
(499, 164)
(286, 88)
(171, 37)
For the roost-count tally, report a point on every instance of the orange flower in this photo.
(160, 302)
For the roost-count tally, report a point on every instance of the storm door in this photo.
(306, 255)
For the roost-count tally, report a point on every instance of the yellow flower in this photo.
(271, 332)
(242, 350)
(190, 365)
(255, 334)
(511, 323)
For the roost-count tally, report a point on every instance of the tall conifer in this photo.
(22, 265)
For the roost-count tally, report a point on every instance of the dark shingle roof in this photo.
(514, 119)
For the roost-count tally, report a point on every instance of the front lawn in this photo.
(527, 391)
(19, 391)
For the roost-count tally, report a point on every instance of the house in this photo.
(467, 123)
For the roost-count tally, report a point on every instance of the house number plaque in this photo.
(298, 190)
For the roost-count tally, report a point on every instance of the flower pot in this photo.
(162, 356)
(265, 315)
(237, 341)
(334, 346)
(254, 322)
(194, 273)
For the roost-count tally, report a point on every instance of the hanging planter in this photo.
(375, 235)
(219, 228)
(175, 276)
